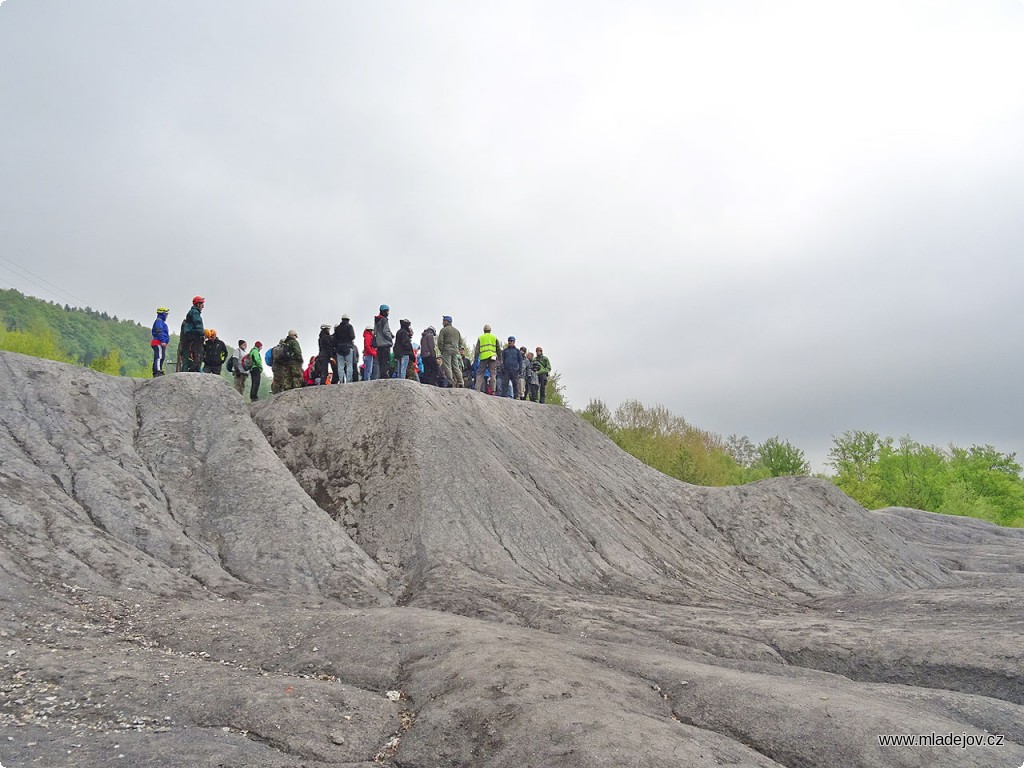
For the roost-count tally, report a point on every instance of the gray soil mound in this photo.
(388, 574)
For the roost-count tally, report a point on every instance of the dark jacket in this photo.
(511, 360)
(215, 352)
(428, 345)
(326, 342)
(193, 322)
(403, 339)
(344, 337)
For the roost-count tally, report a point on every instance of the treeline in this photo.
(884, 472)
(668, 443)
(73, 335)
(876, 471)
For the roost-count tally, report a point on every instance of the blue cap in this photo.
(385, 308)
(447, 317)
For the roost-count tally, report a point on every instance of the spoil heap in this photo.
(385, 573)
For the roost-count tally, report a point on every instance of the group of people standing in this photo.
(439, 358)
(200, 350)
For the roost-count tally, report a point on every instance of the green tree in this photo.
(781, 457)
(703, 459)
(854, 456)
(109, 362)
(880, 472)
(911, 474)
(598, 415)
(666, 442)
(990, 479)
(554, 393)
(743, 451)
(38, 344)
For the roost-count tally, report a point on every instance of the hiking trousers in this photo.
(159, 350)
(254, 389)
(511, 388)
(451, 362)
(192, 359)
(492, 366)
(382, 366)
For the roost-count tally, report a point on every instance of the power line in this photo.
(30, 276)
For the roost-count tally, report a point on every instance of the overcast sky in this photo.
(790, 218)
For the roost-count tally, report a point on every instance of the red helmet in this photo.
(198, 300)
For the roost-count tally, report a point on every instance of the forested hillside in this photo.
(73, 335)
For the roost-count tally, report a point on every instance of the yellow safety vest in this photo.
(488, 346)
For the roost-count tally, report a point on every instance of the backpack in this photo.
(280, 353)
(246, 363)
(231, 365)
(268, 357)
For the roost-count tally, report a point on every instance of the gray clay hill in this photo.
(389, 574)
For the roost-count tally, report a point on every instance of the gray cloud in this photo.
(791, 219)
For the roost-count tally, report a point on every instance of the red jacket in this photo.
(368, 348)
(307, 374)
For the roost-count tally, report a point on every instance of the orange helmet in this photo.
(209, 333)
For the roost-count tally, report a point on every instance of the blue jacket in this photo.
(511, 360)
(160, 333)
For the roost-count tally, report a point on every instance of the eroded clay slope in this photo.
(176, 589)
(440, 485)
(163, 486)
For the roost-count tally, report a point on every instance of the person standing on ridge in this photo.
(324, 354)
(160, 338)
(403, 347)
(287, 372)
(256, 372)
(415, 364)
(543, 371)
(240, 365)
(511, 362)
(428, 354)
(309, 373)
(383, 339)
(521, 391)
(215, 352)
(193, 337)
(532, 383)
(451, 346)
(344, 350)
(486, 351)
(369, 354)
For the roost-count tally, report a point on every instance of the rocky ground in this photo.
(389, 574)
